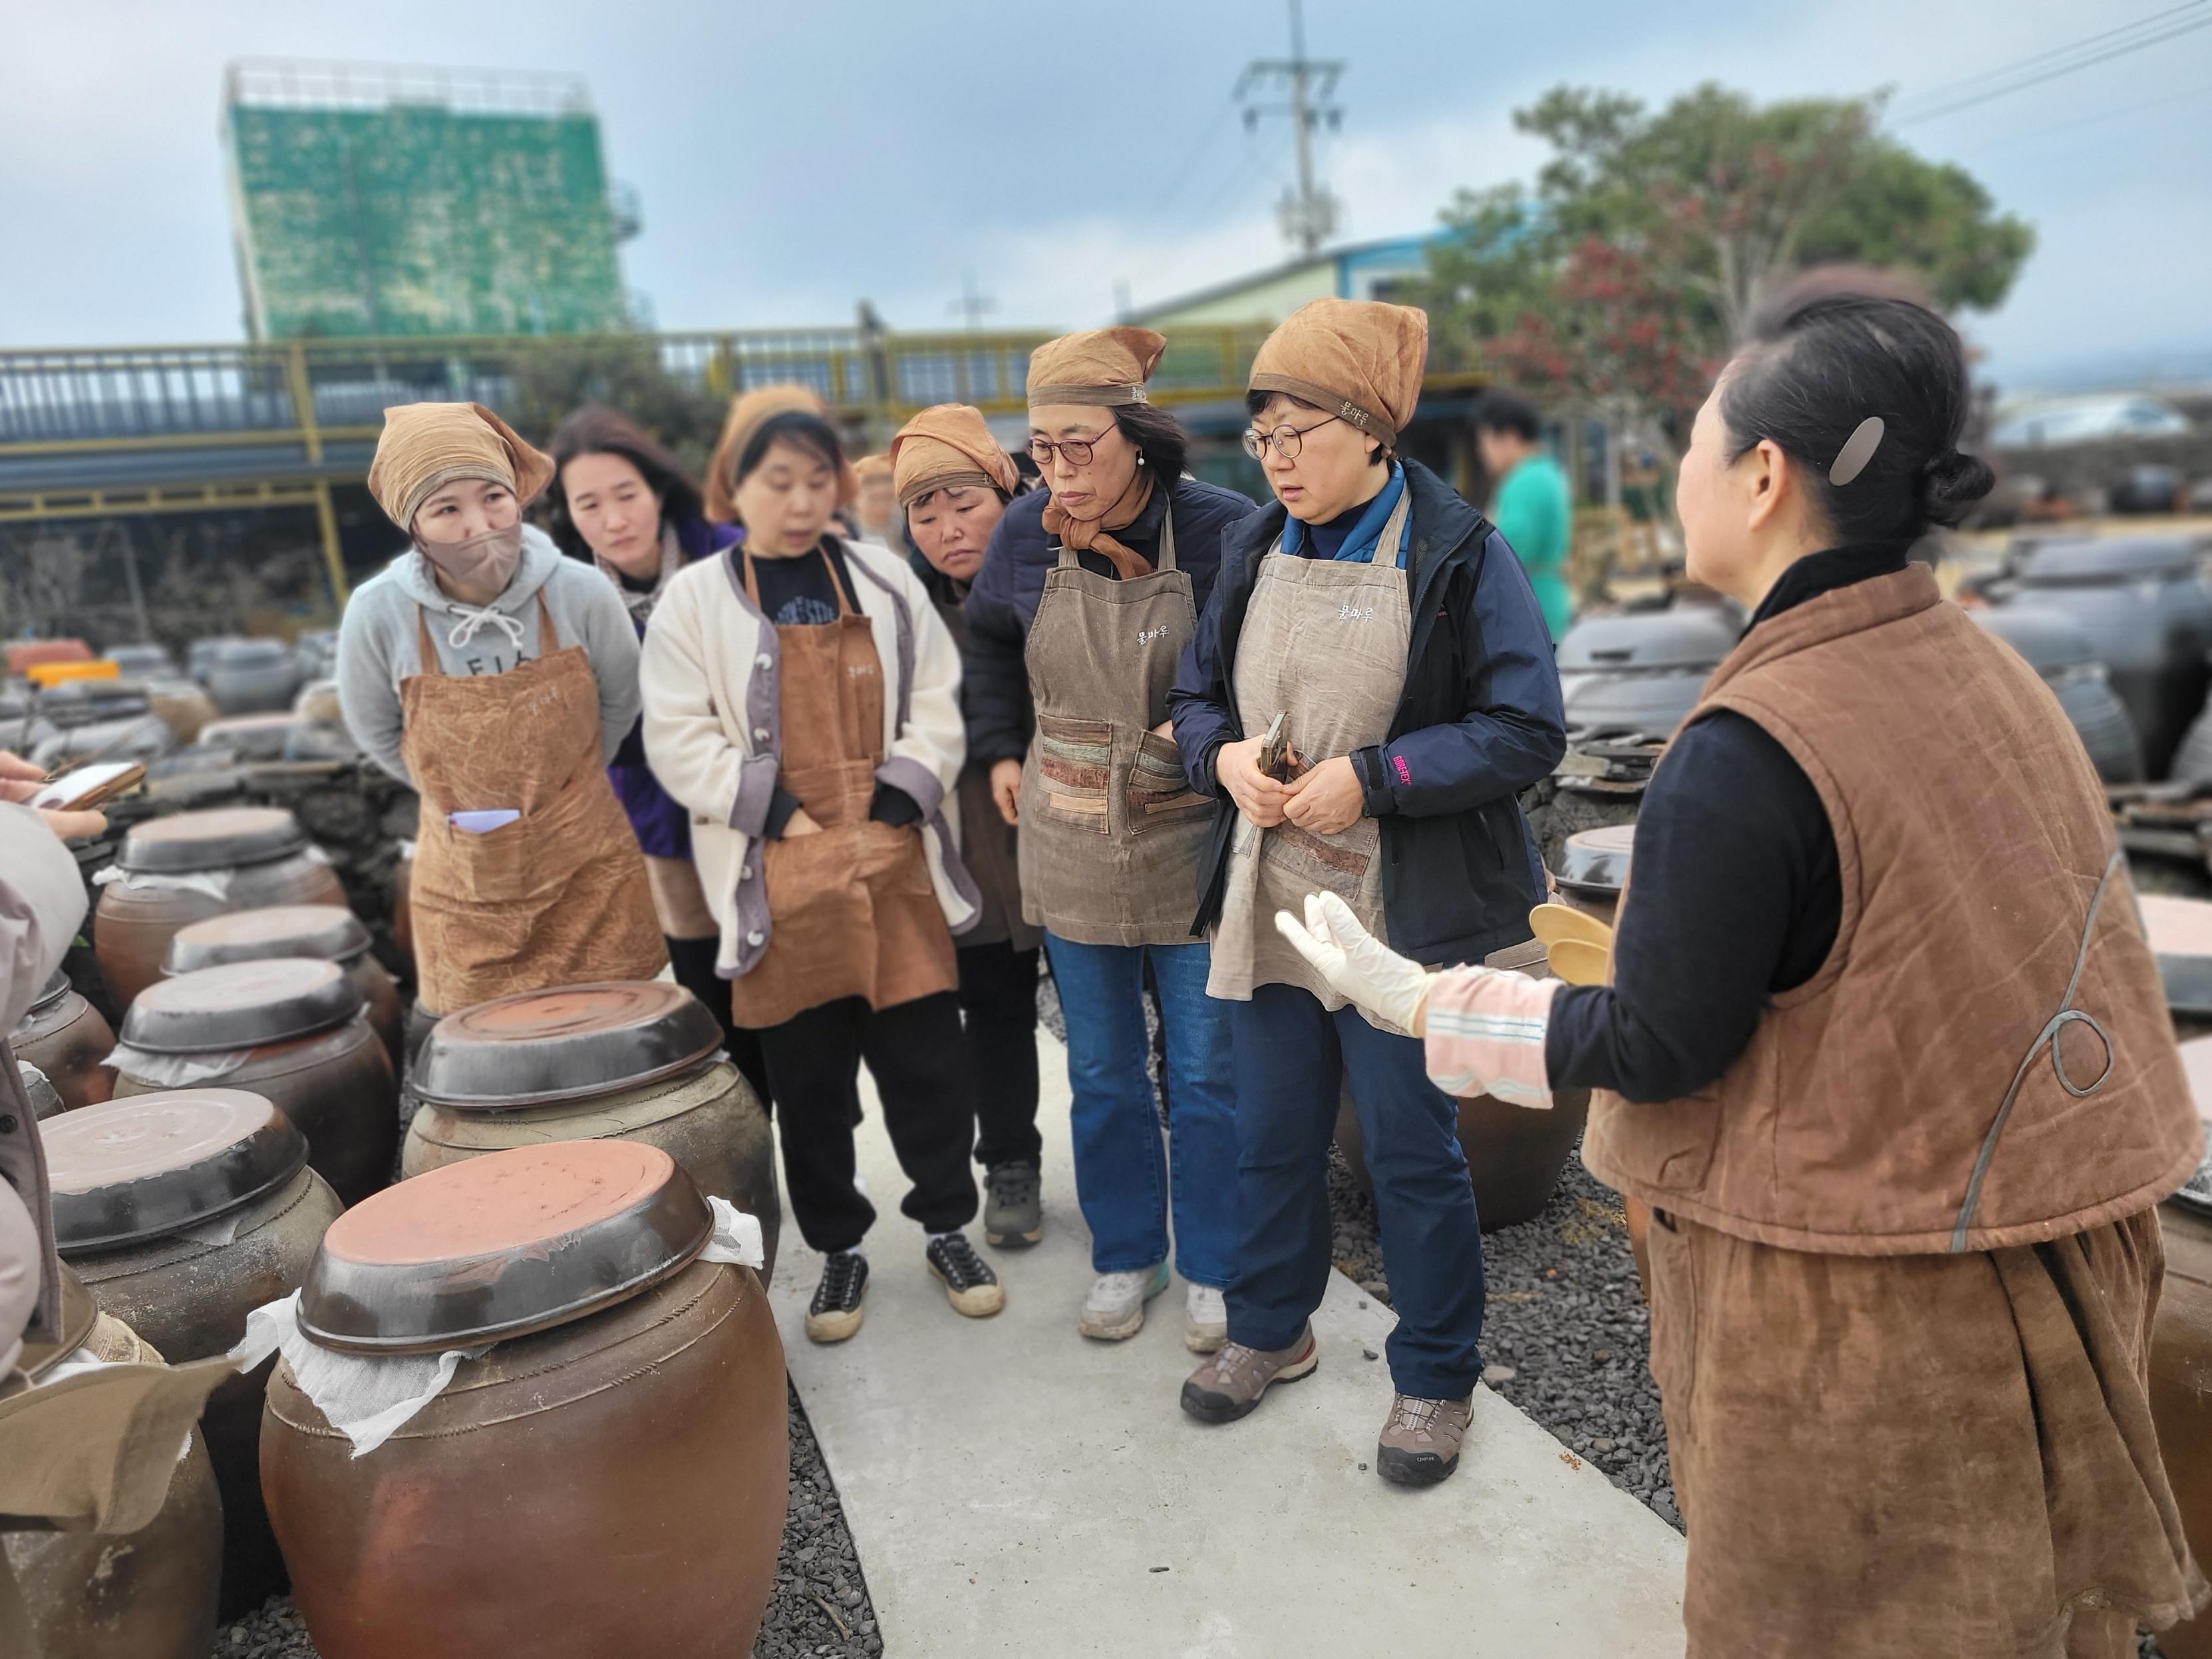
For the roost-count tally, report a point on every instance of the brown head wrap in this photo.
(945, 447)
(748, 413)
(872, 467)
(1107, 366)
(426, 447)
(1359, 360)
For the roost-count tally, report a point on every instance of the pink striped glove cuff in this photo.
(1486, 1035)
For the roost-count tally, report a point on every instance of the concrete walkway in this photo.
(1013, 1489)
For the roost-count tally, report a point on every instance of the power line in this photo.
(1199, 152)
(1308, 213)
(1953, 89)
(2048, 130)
(1913, 118)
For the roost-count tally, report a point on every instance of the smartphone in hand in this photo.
(88, 787)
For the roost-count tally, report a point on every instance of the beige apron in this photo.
(1112, 833)
(1324, 642)
(557, 897)
(988, 843)
(851, 912)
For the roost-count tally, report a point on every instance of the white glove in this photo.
(1357, 966)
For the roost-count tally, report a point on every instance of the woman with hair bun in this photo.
(1883, 1050)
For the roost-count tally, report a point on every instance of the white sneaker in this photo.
(1205, 1320)
(1115, 1307)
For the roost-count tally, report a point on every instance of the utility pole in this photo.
(1308, 213)
(973, 303)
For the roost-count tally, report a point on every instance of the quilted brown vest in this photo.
(1984, 1059)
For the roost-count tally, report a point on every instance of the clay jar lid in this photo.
(241, 1004)
(1597, 860)
(500, 1246)
(2180, 932)
(568, 1043)
(79, 1310)
(131, 1169)
(45, 1099)
(49, 994)
(222, 839)
(324, 932)
(1692, 637)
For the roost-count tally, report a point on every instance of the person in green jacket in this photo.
(1530, 504)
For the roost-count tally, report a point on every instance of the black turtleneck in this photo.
(1738, 894)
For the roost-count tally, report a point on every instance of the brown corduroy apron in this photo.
(1111, 831)
(557, 897)
(1323, 643)
(988, 843)
(851, 912)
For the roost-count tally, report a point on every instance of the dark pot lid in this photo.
(1691, 637)
(2050, 639)
(136, 1168)
(326, 933)
(221, 839)
(2180, 932)
(500, 1246)
(568, 1043)
(2110, 559)
(241, 1004)
(52, 991)
(1597, 860)
(79, 1310)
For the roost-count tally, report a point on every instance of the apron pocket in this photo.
(809, 877)
(1159, 791)
(510, 864)
(892, 860)
(1075, 765)
(1323, 865)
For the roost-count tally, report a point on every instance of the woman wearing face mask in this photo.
(803, 701)
(952, 484)
(1388, 627)
(619, 500)
(1085, 600)
(1884, 1051)
(498, 679)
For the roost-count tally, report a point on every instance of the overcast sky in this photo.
(794, 158)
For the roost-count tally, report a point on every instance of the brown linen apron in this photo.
(557, 897)
(1324, 643)
(988, 843)
(1111, 831)
(851, 910)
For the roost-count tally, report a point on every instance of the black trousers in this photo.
(693, 961)
(919, 1059)
(999, 1007)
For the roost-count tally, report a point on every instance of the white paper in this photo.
(216, 883)
(177, 1071)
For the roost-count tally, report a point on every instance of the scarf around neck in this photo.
(1093, 535)
(639, 604)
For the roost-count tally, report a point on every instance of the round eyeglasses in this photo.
(1077, 451)
(1287, 439)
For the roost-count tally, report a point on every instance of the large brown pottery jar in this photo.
(287, 1028)
(257, 856)
(181, 1213)
(610, 1479)
(1514, 1153)
(63, 1036)
(637, 1060)
(144, 1595)
(2181, 1358)
(329, 933)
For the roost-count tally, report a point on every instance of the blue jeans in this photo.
(1291, 1056)
(1124, 1174)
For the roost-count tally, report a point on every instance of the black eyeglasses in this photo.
(1287, 439)
(1078, 451)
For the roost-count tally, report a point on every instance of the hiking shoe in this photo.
(1205, 1320)
(834, 1313)
(1115, 1307)
(1229, 1384)
(1013, 1216)
(1419, 1444)
(972, 1287)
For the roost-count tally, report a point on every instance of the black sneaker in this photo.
(972, 1287)
(1013, 1214)
(834, 1313)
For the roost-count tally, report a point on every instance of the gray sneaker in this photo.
(1419, 1444)
(1013, 1215)
(1229, 1385)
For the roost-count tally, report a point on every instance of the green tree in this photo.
(555, 376)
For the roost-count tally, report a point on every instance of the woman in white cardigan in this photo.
(802, 699)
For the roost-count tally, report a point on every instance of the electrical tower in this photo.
(1309, 212)
(973, 304)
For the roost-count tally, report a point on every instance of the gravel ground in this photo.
(820, 1605)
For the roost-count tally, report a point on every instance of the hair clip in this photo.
(1858, 449)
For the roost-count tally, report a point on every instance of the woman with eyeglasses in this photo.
(1086, 598)
(1382, 631)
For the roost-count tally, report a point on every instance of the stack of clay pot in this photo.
(181, 1212)
(257, 856)
(326, 933)
(634, 1060)
(63, 1036)
(289, 1029)
(610, 1478)
(1593, 868)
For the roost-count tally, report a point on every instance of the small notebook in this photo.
(477, 823)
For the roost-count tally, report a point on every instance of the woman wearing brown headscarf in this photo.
(1085, 599)
(1382, 629)
(498, 679)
